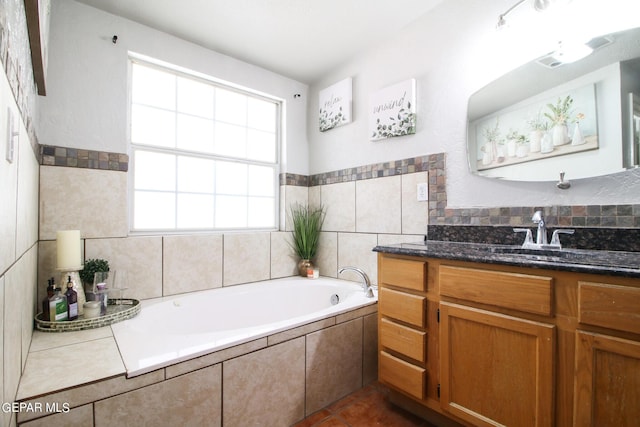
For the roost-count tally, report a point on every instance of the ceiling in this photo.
(300, 39)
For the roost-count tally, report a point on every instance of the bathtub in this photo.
(173, 329)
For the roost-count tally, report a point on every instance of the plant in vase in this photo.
(559, 114)
(91, 267)
(512, 139)
(522, 146)
(490, 148)
(538, 128)
(307, 224)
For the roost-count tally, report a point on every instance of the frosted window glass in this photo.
(195, 97)
(195, 134)
(261, 181)
(153, 87)
(231, 212)
(230, 140)
(231, 178)
(154, 171)
(261, 145)
(195, 211)
(154, 211)
(261, 212)
(231, 107)
(195, 175)
(151, 126)
(261, 115)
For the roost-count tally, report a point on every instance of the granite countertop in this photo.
(612, 263)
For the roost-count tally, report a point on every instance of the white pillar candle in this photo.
(68, 245)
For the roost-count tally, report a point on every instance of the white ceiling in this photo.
(301, 39)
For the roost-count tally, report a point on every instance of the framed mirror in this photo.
(550, 116)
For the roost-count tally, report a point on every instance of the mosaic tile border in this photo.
(604, 216)
(79, 158)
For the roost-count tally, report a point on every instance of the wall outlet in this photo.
(423, 192)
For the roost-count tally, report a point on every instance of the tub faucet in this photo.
(366, 284)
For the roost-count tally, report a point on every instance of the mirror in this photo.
(547, 117)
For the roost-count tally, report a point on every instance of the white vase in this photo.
(522, 151)
(577, 139)
(560, 135)
(486, 158)
(511, 147)
(535, 140)
(546, 145)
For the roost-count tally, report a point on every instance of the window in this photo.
(204, 156)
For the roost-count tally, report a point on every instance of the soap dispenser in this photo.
(72, 301)
(48, 303)
(60, 301)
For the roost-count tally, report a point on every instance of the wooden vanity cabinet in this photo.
(505, 345)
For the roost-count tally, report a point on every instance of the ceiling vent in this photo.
(551, 61)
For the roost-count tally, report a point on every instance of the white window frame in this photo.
(183, 72)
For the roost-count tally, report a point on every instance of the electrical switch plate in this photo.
(423, 193)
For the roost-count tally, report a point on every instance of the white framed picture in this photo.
(393, 111)
(335, 105)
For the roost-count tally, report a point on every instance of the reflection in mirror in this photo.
(548, 116)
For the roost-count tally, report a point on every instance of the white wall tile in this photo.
(283, 258)
(246, 258)
(140, 257)
(92, 201)
(327, 257)
(379, 205)
(191, 263)
(356, 249)
(340, 202)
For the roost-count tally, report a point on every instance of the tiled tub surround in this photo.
(275, 380)
(172, 329)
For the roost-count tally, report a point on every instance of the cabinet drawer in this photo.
(402, 375)
(402, 306)
(407, 341)
(522, 292)
(609, 306)
(404, 273)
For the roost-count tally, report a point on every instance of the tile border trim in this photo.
(81, 158)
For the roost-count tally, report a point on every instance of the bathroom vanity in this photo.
(487, 335)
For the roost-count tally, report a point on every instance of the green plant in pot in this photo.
(91, 267)
(307, 224)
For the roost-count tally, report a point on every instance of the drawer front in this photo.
(522, 292)
(402, 375)
(407, 341)
(404, 273)
(402, 306)
(609, 306)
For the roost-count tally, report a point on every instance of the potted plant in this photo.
(91, 267)
(538, 128)
(307, 224)
(559, 114)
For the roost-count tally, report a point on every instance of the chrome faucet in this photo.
(366, 283)
(541, 236)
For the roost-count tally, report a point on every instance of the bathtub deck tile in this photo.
(360, 312)
(48, 370)
(213, 358)
(301, 330)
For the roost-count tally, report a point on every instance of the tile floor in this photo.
(367, 407)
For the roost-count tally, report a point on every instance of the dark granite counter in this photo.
(613, 263)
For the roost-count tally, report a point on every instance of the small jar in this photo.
(91, 309)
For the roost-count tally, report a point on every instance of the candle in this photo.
(68, 244)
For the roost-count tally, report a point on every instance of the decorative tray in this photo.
(117, 311)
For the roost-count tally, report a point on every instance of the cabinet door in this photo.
(496, 369)
(607, 388)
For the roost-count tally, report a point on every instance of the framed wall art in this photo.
(335, 105)
(393, 111)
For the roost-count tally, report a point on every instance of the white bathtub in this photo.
(172, 329)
